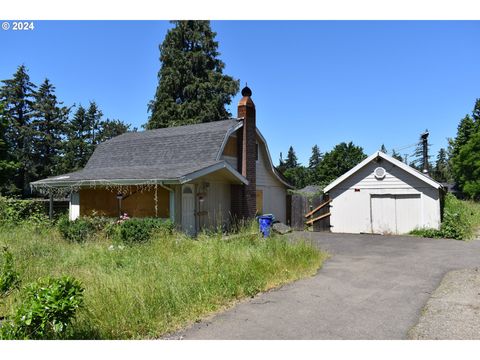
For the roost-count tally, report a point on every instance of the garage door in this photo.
(394, 214)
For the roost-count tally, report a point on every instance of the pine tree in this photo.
(316, 158)
(466, 167)
(465, 129)
(291, 161)
(192, 87)
(396, 155)
(7, 167)
(441, 170)
(476, 113)
(16, 97)
(77, 146)
(49, 125)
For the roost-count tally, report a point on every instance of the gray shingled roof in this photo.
(161, 154)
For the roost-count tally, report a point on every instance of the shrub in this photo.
(47, 310)
(459, 221)
(139, 230)
(8, 275)
(78, 230)
(14, 211)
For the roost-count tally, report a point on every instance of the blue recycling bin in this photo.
(265, 222)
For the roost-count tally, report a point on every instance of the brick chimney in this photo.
(244, 196)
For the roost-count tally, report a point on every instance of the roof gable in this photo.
(390, 159)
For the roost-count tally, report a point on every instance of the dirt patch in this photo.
(453, 310)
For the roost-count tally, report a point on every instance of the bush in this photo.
(14, 211)
(78, 230)
(459, 221)
(47, 310)
(8, 275)
(139, 230)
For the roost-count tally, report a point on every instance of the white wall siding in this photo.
(74, 206)
(352, 208)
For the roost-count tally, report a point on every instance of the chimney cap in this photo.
(246, 91)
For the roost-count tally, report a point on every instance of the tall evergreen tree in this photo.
(7, 167)
(49, 126)
(316, 158)
(476, 113)
(465, 129)
(291, 161)
(93, 117)
(77, 146)
(397, 155)
(466, 167)
(16, 97)
(441, 171)
(192, 87)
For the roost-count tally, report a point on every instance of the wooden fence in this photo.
(304, 211)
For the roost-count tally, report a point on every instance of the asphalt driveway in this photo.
(373, 287)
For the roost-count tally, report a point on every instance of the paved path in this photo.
(373, 287)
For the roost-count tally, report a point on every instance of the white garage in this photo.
(382, 195)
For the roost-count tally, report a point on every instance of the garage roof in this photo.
(390, 159)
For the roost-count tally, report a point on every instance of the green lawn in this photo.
(148, 290)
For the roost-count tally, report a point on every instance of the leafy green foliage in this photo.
(192, 87)
(16, 97)
(14, 211)
(48, 125)
(338, 161)
(140, 230)
(441, 171)
(460, 219)
(8, 276)
(78, 230)
(47, 310)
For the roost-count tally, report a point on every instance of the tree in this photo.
(397, 155)
(466, 167)
(7, 167)
(49, 125)
(383, 149)
(108, 129)
(281, 164)
(84, 132)
(476, 113)
(465, 129)
(192, 87)
(77, 147)
(16, 97)
(291, 162)
(297, 176)
(342, 158)
(316, 158)
(441, 171)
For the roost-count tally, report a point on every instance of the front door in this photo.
(188, 209)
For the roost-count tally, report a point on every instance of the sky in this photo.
(313, 82)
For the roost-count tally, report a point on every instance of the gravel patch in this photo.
(453, 310)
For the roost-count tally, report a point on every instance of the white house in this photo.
(382, 195)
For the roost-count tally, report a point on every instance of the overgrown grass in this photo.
(461, 220)
(148, 290)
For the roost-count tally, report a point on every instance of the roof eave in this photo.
(392, 160)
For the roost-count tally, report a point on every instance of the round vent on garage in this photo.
(379, 173)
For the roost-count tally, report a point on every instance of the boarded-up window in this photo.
(230, 147)
(259, 202)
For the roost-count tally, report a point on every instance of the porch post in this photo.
(172, 205)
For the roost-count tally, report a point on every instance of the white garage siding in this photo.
(397, 204)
